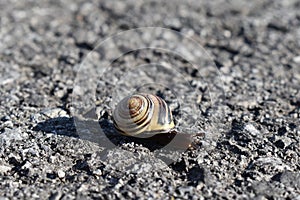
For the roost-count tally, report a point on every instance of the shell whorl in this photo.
(142, 113)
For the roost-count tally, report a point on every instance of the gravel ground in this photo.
(253, 152)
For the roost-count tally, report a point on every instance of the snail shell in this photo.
(142, 113)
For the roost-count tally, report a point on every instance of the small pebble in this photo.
(54, 112)
(97, 172)
(61, 174)
(296, 59)
(252, 129)
(8, 124)
(4, 169)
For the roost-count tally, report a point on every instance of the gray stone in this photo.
(250, 115)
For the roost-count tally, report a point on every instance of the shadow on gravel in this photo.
(84, 129)
(58, 126)
(117, 139)
(101, 132)
(155, 142)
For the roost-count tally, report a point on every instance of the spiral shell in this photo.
(143, 113)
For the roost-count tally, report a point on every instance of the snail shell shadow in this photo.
(84, 129)
(179, 141)
(59, 126)
(89, 130)
(107, 136)
(153, 143)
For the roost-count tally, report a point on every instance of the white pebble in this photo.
(54, 112)
(8, 124)
(252, 129)
(296, 59)
(97, 172)
(4, 169)
(61, 174)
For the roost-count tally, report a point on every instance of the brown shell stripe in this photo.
(143, 113)
(138, 106)
(149, 107)
(143, 122)
(164, 113)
